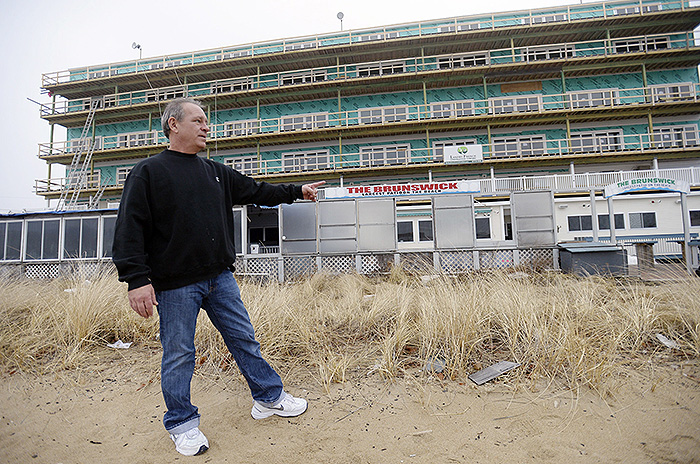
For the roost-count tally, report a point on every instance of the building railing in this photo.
(558, 183)
(570, 51)
(56, 185)
(568, 13)
(535, 103)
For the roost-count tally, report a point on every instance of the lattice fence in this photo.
(338, 264)
(261, 266)
(455, 262)
(417, 262)
(536, 259)
(42, 271)
(296, 267)
(376, 264)
(495, 259)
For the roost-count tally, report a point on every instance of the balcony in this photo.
(589, 105)
(390, 159)
(374, 73)
(465, 24)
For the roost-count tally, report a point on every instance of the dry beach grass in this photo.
(564, 329)
(594, 383)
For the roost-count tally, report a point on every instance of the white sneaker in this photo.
(190, 443)
(288, 407)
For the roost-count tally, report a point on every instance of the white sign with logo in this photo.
(647, 183)
(427, 188)
(461, 154)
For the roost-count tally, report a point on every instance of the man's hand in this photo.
(309, 190)
(142, 300)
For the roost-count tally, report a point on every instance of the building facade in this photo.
(429, 135)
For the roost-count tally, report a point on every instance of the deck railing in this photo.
(561, 51)
(462, 24)
(558, 183)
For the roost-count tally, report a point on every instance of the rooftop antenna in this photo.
(340, 16)
(135, 46)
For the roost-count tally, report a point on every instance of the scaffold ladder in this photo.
(76, 174)
(95, 199)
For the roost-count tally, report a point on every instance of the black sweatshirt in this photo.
(175, 220)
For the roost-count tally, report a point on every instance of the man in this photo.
(174, 246)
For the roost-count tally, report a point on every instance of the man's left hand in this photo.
(310, 190)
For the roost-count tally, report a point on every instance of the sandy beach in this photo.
(111, 411)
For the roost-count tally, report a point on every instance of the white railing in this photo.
(568, 13)
(559, 183)
(414, 113)
(436, 63)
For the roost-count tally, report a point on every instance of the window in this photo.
(232, 86)
(245, 164)
(306, 77)
(548, 53)
(414, 230)
(544, 19)
(404, 231)
(518, 146)
(640, 45)
(241, 128)
(579, 223)
(642, 220)
(304, 122)
(376, 36)
(122, 174)
(452, 109)
(695, 218)
(264, 236)
(80, 238)
(380, 69)
(439, 147)
(592, 98)
(483, 227)
(42, 239)
(235, 54)
(305, 161)
(10, 240)
(164, 94)
(382, 156)
(517, 104)
(137, 139)
(463, 61)
(675, 92)
(110, 101)
(635, 9)
(108, 223)
(299, 46)
(460, 27)
(676, 136)
(604, 221)
(596, 142)
(383, 114)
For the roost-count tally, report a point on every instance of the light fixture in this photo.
(135, 46)
(340, 16)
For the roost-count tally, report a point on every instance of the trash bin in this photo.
(587, 258)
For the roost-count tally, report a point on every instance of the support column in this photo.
(686, 233)
(594, 217)
(611, 215)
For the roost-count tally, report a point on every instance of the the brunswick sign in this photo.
(647, 183)
(391, 190)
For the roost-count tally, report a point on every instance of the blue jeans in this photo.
(177, 310)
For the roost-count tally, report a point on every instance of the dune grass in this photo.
(575, 331)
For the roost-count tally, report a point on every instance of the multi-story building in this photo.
(561, 100)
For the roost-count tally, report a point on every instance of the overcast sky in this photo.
(40, 36)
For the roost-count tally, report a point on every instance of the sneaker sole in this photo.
(257, 415)
(201, 450)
